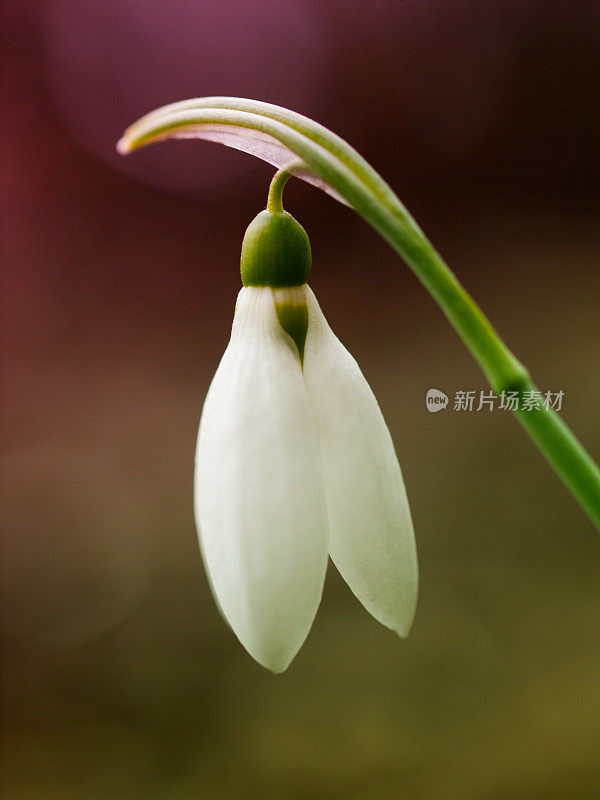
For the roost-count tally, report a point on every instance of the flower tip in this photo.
(279, 669)
(403, 626)
(275, 664)
(403, 630)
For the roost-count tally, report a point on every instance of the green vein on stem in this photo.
(281, 137)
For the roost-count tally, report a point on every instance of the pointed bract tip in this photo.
(123, 147)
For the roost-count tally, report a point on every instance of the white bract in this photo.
(294, 462)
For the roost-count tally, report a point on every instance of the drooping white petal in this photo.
(259, 497)
(371, 539)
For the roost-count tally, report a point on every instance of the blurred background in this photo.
(120, 680)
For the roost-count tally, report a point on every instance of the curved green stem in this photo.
(278, 182)
(275, 198)
(566, 455)
(279, 136)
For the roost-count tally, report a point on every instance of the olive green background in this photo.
(120, 680)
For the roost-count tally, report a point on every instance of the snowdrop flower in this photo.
(294, 462)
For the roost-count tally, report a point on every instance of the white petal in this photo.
(259, 497)
(371, 539)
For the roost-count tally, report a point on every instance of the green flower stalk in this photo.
(315, 154)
